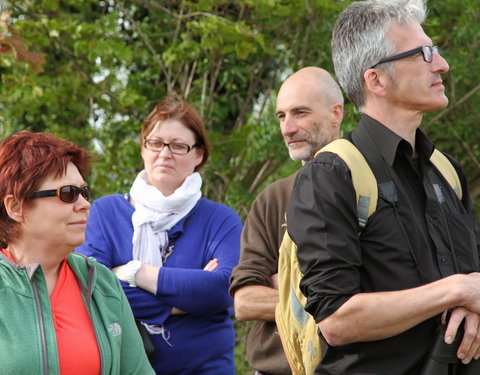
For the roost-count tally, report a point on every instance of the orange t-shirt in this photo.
(77, 344)
(78, 350)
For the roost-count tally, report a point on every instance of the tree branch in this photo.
(452, 107)
(157, 6)
(149, 45)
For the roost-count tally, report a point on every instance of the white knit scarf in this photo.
(155, 214)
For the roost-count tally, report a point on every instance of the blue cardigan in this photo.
(203, 340)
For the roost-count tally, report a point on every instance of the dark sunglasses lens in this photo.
(85, 191)
(69, 194)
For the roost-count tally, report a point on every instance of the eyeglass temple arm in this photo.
(399, 56)
(44, 193)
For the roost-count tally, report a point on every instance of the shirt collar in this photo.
(388, 142)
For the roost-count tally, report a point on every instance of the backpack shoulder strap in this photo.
(441, 162)
(297, 329)
(363, 179)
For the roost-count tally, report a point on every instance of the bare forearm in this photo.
(375, 316)
(147, 278)
(256, 302)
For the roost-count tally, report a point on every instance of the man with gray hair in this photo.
(310, 110)
(380, 293)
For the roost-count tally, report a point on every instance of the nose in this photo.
(82, 203)
(165, 152)
(288, 126)
(439, 63)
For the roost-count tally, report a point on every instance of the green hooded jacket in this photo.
(28, 342)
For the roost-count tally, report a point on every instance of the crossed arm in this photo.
(257, 302)
(375, 316)
(147, 278)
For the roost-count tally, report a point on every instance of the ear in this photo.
(376, 82)
(199, 156)
(336, 111)
(14, 208)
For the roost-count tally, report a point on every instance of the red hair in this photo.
(174, 107)
(26, 159)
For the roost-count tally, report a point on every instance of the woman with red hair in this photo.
(60, 312)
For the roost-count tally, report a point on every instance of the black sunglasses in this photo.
(426, 51)
(68, 193)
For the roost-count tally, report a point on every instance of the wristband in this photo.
(132, 268)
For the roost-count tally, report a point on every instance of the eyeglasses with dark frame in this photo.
(175, 148)
(426, 51)
(67, 193)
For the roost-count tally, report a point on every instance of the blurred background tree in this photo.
(91, 71)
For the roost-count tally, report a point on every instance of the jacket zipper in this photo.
(42, 328)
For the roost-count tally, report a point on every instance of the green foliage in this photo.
(241, 364)
(107, 63)
(454, 129)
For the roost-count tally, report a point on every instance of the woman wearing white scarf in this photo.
(173, 249)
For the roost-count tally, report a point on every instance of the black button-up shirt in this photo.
(426, 234)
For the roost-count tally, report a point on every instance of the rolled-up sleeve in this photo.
(322, 221)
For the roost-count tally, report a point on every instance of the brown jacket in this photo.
(261, 237)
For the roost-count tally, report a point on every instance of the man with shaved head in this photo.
(310, 110)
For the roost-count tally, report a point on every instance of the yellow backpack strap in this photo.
(446, 168)
(297, 329)
(363, 179)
